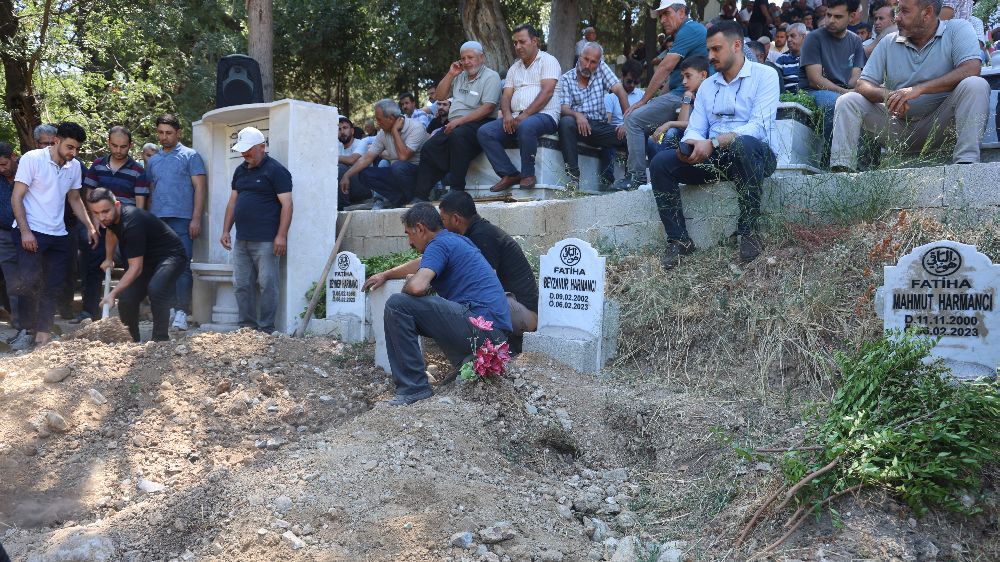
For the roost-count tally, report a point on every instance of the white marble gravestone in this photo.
(949, 290)
(574, 325)
(345, 301)
(297, 136)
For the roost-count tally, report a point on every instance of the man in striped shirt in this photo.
(789, 62)
(126, 179)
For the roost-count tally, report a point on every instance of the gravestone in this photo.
(948, 290)
(576, 326)
(345, 301)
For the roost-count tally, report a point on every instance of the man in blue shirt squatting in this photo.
(727, 135)
(466, 287)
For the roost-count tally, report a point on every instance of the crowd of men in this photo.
(63, 222)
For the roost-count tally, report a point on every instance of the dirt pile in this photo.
(107, 330)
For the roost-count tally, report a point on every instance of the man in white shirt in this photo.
(528, 110)
(729, 126)
(351, 149)
(46, 179)
(779, 46)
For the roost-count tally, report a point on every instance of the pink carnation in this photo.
(481, 323)
(491, 360)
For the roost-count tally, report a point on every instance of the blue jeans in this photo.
(186, 280)
(746, 162)
(255, 282)
(41, 278)
(671, 139)
(492, 138)
(826, 101)
(395, 182)
(89, 268)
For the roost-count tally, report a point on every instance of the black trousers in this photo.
(355, 194)
(159, 282)
(447, 154)
(602, 135)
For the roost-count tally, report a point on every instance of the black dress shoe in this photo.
(676, 249)
(750, 247)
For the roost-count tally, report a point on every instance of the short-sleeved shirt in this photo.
(170, 174)
(358, 146)
(689, 41)
(791, 70)
(258, 211)
(469, 95)
(896, 63)
(462, 275)
(590, 100)
(506, 257)
(963, 8)
(837, 57)
(414, 136)
(527, 83)
(141, 234)
(125, 183)
(48, 183)
(612, 106)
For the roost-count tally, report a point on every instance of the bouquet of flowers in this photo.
(489, 360)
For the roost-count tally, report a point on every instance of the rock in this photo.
(498, 532)
(763, 467)
(596, 529)
(79, 548)
(461, 540)
(282, 504)
(627, 551)
(671, 551)
(223, 386)
(551, 556)
(57, 374)
(565, 512)
(967, 500)
(626, 520)
(489, 557)
(292, 540)
(616, 475)
(55, 422)
(181, 350)
(149, 487)
(96, 397)
(275, 443)
(588, 503)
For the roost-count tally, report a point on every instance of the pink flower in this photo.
(491, 360)
(481, 323)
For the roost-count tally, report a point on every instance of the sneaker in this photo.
(407, 399)
(80, 318)
(676, 249)
(627, 183)
(180, 321)
(380, 204)
(23, 340)
(750, 247)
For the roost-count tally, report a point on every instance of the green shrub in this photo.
(385, 262)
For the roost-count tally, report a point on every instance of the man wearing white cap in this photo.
(475, 92)
(261, 207)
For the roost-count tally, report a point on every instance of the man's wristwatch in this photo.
(715, 143)
(687, 100)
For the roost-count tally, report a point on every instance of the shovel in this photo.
(106, 310)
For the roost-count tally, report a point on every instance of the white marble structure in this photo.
(299, 136)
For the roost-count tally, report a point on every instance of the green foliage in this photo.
(903, 424)
(801, 98)
(320, 310)
(385, 262)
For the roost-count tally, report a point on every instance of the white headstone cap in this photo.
(248, 138)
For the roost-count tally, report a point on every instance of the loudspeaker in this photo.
(238, 81)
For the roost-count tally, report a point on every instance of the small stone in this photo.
(275, 443)
(616, 475)
(596, 529)
(181, 350)
(626, 520)
(671, 551)
(912, 523)
(293, 541)
(407, 526)
(282, 524)
(282, 504)
(551, 556)
(57, 374)
(461, 540)
(149, 487)
(89, 547)
(565, 512)
(763, 467)
(55, 422)
(223, 386)
(498, 532)
(96, 397)
(967, 500)
(489, 557)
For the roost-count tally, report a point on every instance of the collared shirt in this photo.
(589, 100)
(612, 106)
(127, 182)
(746, 106)
(48, 183)
(419, 116)
(897, 63)
(469, 95)
(414, 136)
(527, 84)
(170, 174)
(689, 41)
(6, 207)
(258, 211)
(791, 70)
(963, 8)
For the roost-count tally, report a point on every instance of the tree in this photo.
(563, 31)
(20, 55)
(483, 21)
(260, 42)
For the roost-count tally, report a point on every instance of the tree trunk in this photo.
(260, 42)
(19, 95)
(483, 21)
(626, 29)
(652, 45)
(563, 26)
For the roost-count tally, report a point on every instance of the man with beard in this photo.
(474, 90)
(919, 84)
(728, 129)
(351, 149)
(581, 98)
(883, 25)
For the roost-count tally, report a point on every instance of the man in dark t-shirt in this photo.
(155, 259)
(466, 287)
(261, 207)
(458, 212)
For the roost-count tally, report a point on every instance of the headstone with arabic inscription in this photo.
(948, 290)
(345, 301)
(576, 325)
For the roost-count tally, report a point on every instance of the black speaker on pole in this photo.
(237, 81)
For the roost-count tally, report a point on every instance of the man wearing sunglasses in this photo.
(726, 139)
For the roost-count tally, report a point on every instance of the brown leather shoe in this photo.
(528, 182)
(505, 183)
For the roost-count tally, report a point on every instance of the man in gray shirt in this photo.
(918, 84)
(475, 92)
